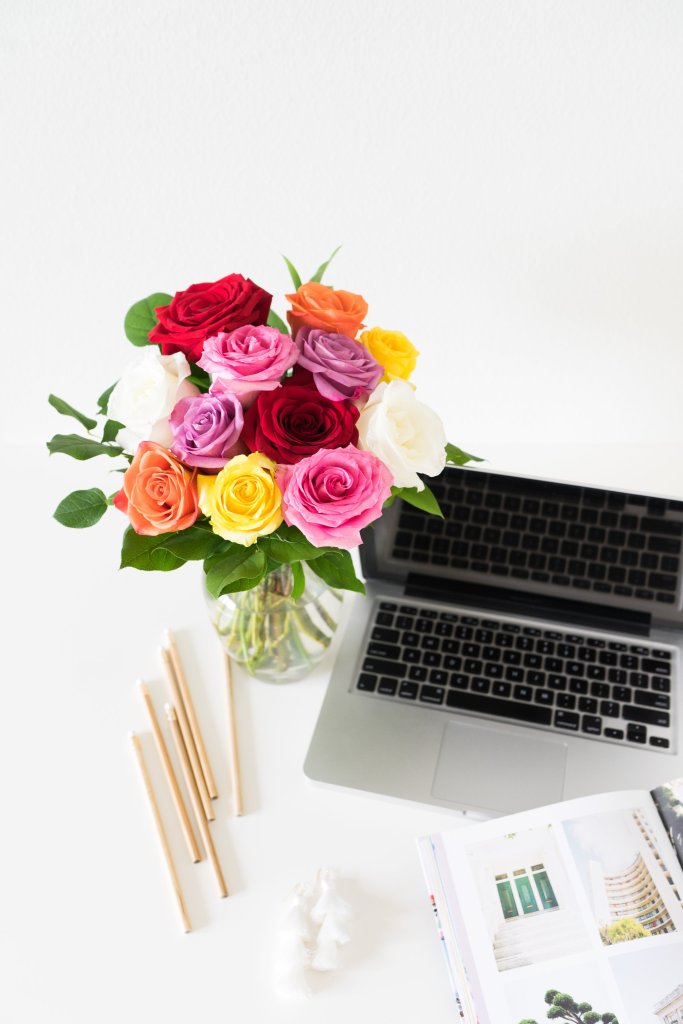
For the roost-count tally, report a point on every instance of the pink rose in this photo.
(332, 495)
(248, 360)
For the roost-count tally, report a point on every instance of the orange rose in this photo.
(316, 305)
(159, 495)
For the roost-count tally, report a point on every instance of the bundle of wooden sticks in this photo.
(196, 769)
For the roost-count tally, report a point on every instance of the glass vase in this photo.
(273, 636)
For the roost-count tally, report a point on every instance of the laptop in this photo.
(524, 649)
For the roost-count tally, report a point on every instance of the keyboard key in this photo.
(522, 693)
(387, 686)
(591, 725)
(459, 681)
(424, 626)
(566, 720)
(384, 619)
(417, 673)
(661, 685)
(438, 677)
(596, 672)
(501, 689)
(637, 679)
(588, 704)
(636, 733)
(557, 682)
(432, 694)
(480, 685)
(377, 650)
(544, 696)
(648, 716)
(658, 741)
(614, 734)
(608, 709)
(472, 666)
(661, 668)
(410, 640)
(387, 606)
(566, 700)
(600, 689)
(475, 702)
(366, 682)
(578, 686)
(665, 655)
(431, 659)
(622, 693)
(411, 655)
(649, 699)
(381, 667)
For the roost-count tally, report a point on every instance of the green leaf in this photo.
(298, 580)
(293, 273)
(457, 457)
(68, 410)
(103, 400)
(288, 545)
(423, 499)
(199, 377)
(193, 544)
(81, 448)
(141, 318)
(81, 508)
(111, 429)
(234, 568)
(336, 569)
(318, 276)
(147, 553)
(276, 321)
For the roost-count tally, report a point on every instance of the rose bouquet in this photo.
(261, 448)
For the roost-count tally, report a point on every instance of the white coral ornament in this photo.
(294, 944)
(333, 914)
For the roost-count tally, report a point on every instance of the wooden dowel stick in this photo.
(177, 700)
(202, 823)
(175, 881)
(188, 707)
(232, 745)
(169, 772)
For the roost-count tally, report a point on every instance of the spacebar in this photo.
(503, 708)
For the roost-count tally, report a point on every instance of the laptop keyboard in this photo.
(594, 686)
(576, 538)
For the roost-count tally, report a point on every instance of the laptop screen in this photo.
(539, 537)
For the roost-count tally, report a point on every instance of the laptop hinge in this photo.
(537, 606)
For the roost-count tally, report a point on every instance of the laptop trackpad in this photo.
(492, 768)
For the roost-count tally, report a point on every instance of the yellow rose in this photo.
(242, 501)
(392, 350)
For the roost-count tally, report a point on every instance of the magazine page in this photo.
(454, 961)
(572, 912)
(669, 801)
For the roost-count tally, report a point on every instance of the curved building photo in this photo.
(629, 886)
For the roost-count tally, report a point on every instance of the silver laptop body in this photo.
(523, 650)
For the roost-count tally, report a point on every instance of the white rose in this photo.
(405, 434)
(144, 397)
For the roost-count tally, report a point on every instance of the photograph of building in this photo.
(631, 889)
(669, 801)
(526, 898)
(670, 1009)
(650, 982)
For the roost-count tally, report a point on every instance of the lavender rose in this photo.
(341, 367)
(248, 360)
(206, 429)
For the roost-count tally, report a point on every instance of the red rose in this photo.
(202, 310)
(292, 422)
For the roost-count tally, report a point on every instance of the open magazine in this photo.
(572, 912)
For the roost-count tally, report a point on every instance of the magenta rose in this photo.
(341, 367)
(201, 310)
(248, 360)
(296, 421)
(206, 429)
(332, 495)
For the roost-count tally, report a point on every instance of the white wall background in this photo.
(506, 179)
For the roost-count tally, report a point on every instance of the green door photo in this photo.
(507, 900)
(545, 890)
(526, 894)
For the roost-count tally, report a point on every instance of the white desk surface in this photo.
(88, 929)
